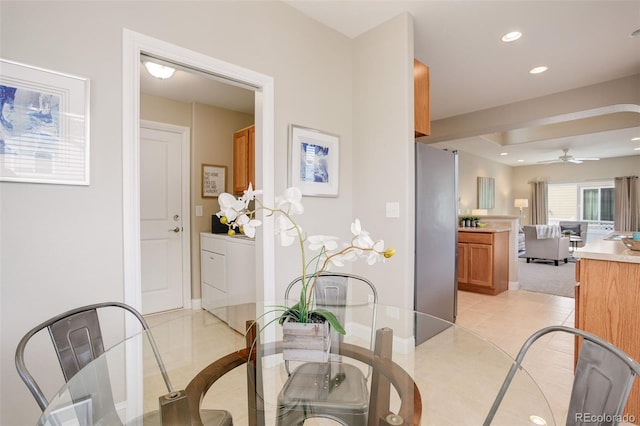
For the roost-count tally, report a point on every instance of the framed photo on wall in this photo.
(44, 126)
(214, 180)
(314, 161)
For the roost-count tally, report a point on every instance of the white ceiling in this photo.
(582, 43)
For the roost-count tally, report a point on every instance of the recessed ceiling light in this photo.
(159, 71)
(538, 70)
(636, 139)
(504, 153)
(512, 36)
(636, 149)
(520, 161)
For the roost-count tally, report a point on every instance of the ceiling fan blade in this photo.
(575, 160)
(587, 158)
(548, 161)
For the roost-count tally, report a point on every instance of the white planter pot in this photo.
(308, 342)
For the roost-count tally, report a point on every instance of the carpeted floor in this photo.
(546, 278)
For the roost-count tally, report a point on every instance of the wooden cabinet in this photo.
(244, 159)
(483, 261)
(607, 303)
(422, 119)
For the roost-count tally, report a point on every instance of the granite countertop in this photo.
(485, 229)
(608, 249)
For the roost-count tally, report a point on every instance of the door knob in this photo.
(176, 229)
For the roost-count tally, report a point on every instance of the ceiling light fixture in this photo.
(520, 161)
(504, 153)
(159, 71)
(538, 70)
(636, 149)
(512, 36)
(636, 139)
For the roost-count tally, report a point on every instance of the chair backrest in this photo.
(602, 382)
(77, 340)
(332, 291)
(578, 227)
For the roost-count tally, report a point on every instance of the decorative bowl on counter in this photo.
(631, 243)
(481, 225)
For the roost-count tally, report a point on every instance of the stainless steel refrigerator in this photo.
(436, 267)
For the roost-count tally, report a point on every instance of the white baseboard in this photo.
(514, 285)
(196, 304)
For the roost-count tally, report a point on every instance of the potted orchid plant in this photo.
(319, 252)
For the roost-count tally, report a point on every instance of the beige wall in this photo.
(386, 54)
(513, 182)
(62, 246)
(470, 168)
(211, 143)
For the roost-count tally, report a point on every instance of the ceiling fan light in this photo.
(159, 71)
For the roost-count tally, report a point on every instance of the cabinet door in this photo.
(251, 156)
(213, 270)
(240, 161)
(422, 121)
(463, 263)
(481, 264)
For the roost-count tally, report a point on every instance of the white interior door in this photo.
(164, 265)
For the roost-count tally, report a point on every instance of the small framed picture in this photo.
(214, 180)
(314, 161)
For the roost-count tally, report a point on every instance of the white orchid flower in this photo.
(362, 238)
(316, 242)
(377, 254)
(230, 207)
(249, 194)
(287, 230)
(248, 225)
(291, 201)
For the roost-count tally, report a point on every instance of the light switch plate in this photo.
(198, 210)
(393, 209)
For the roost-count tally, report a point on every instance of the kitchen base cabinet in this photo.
(483, 261)
(606, 305)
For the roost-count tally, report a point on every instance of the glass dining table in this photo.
(438, 373)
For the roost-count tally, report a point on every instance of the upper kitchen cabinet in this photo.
(422, 121)
(244, 159)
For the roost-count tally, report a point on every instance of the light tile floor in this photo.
(506, 320)
(509, 318)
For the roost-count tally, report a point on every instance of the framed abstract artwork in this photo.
(44, 125)
(314, 161)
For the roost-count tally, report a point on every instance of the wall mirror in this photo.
(486, 192)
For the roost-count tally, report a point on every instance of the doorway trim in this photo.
(133, 45)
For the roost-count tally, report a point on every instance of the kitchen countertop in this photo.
(486, 229)
(608, 249)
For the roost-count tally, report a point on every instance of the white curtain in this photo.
(627, 210)
(539, 207)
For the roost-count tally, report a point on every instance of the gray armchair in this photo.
(578, 228)
(545, 247)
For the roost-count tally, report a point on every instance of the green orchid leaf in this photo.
(329, 316)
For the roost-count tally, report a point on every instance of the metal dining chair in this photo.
(333, 390)
(602, 381)
(77, 339)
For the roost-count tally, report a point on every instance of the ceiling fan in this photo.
(566, 158)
